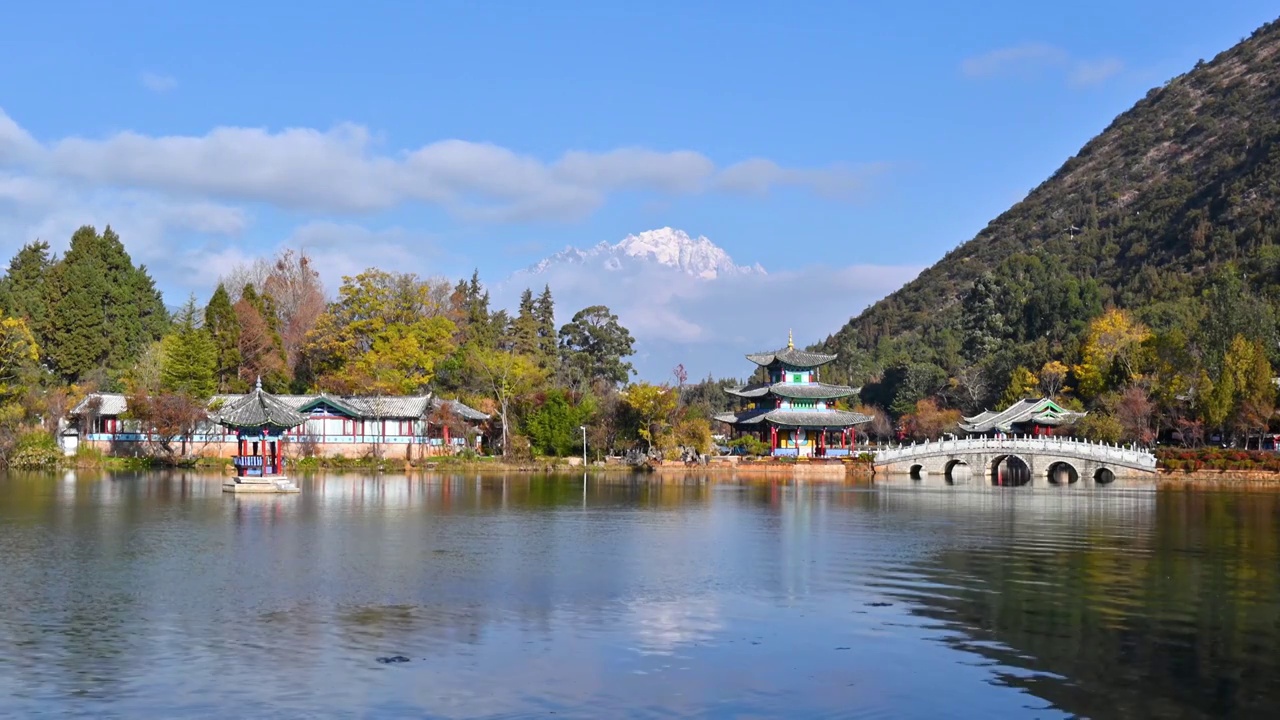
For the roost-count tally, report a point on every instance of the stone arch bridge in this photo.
(1018, 461)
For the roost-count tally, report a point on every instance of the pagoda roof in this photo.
(791, 356)
(259, 409)
(1042, 411)
(794, 418)
(804, 391)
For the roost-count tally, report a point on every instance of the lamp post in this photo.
(583, 428)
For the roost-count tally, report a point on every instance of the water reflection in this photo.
(157, 595)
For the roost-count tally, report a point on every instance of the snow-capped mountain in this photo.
(672, 248)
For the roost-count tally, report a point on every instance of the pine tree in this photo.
(524, 330)
(103, 311)
(224, 329)
(22, 290)
(189, 356)
(544, 312)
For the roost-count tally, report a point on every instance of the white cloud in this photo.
(709, 324)
(1017, 58)
(1034, 58)
(1094, 72)
(158, 82)
(340, 170)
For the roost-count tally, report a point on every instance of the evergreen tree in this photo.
(224, 329)
(22, 290)
(524, 329)
(544, 313)
(595, 346)
(103, 311)
(189, 357)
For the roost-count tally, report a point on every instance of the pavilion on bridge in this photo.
(792, 408)
(1032, 417)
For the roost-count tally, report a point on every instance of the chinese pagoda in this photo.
(259, 421)
(793, 409)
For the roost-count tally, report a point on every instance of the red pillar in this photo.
(773, 438)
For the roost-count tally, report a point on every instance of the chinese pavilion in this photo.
(259, 421)
(792, 409)
(1034, 417)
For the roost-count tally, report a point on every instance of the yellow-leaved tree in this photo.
(1111, 352)
(654, 406)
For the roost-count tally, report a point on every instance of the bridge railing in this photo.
(1105, 452)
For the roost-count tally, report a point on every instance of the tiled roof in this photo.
(795, 418)
(812, 391)
(791, 356)
(258, 409)
(377, 407)
(753, 390)
(1043, 411)
(808, 391)
(109, 404)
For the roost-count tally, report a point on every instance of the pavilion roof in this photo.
(795, 418)
(805, 391)
(792, 357)
(1042, 411)
(258, 409)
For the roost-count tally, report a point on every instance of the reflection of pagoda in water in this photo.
(793, 409)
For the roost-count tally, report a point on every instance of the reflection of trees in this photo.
(1175, 620)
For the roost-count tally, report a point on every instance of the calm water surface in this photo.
(157, 595)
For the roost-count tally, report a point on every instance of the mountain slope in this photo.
(1177, 189)
(698, 257)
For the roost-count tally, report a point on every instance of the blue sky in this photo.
(888, 135)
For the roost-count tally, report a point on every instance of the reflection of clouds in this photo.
(661, 626)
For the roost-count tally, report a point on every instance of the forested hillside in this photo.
(1171, 214)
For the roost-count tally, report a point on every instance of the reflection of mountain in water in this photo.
(1140, 605)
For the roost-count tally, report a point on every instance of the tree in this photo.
(1022, 384)
(880, 427)
(383, 334)
(1133, 409)
(507, 376)
(22, 290)
(1111, 352)
(292, 280)
(654, 406)
(928, 421)
(103, 311)
(544, 313)
(1248, 373)
(172, 418)
(189, 357)
(553, 428)
(259, 345)
(524, 329)
(1053, 378)
(594, 346)
(19, 356)
(224, 329)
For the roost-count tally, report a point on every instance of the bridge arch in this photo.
(1009, 470)
(917, 471)
(1104, 476)
(957, 472)
(1062, 473)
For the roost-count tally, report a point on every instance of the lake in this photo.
(155, 595)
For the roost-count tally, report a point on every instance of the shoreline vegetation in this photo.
(1206, 468)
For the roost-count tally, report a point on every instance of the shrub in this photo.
(36, 449)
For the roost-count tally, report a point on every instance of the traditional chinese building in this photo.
(406, 427)
(1035, 418)
(792, 409)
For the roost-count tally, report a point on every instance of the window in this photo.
(795, 377)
